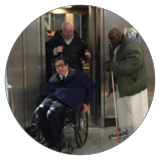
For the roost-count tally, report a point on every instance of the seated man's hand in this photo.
(85, 106)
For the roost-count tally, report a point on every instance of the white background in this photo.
(15, 15)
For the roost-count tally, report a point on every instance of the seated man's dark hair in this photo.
(61, 58)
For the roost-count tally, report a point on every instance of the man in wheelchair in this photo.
(67, 88)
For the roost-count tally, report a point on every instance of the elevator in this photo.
(25, 69)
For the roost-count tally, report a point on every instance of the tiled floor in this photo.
(97, 141)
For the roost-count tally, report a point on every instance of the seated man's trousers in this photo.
(49, 112)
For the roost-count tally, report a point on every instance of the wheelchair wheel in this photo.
(81, 127)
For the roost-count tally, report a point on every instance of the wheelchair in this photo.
(78, 121)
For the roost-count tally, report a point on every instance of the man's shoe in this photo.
(47, 144)
(121, 135)
(57, 147)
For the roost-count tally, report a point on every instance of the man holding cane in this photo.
(129, 69)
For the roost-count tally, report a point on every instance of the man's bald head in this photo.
(116, 31)
(67, 30)
(67, 24)
(115, 36)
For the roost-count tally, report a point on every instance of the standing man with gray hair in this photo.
(67, 43)
(129, 70)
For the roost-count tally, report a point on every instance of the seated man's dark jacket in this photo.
(74, 52)
(76, 89)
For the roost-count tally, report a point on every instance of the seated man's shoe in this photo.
(57, 147)
(121, 135)
(47, 144)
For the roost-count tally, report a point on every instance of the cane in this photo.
(115, 107)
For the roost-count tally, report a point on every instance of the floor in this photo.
(97, 140)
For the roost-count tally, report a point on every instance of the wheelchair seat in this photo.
(77, 119)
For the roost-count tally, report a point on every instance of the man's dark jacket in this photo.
(74, 52)
(76, 89)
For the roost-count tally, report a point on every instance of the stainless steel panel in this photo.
(102, 75)
(15, 79)
(97, 66)
(26, 70)
(32, 67)
(43, 54)
(109, 112)
(93, 60)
